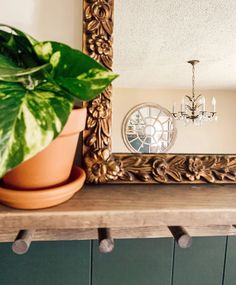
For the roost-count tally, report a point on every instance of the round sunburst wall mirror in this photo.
(149, 128)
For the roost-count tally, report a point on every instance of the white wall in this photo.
(213, 137)
(58, 20)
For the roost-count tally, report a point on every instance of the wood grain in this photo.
(119, 233)
(131, 206)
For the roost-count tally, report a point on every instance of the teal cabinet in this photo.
(230, 262)
(210, 261)
(46, 263)
(202, 263)
(134, 262)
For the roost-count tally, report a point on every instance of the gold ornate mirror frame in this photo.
(103, 166)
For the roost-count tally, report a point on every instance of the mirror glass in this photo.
(153, 40)
(148, 128)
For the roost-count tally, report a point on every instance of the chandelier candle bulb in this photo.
(173, 108)
(214, 104)
(200, 102)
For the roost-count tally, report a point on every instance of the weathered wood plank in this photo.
(99, 206)
(118, 233)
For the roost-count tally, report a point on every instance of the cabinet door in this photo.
(202, 263)
(230, 263)
(46, 263)
(134, 262)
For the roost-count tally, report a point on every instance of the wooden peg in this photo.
(106, 242)
(183, 239)
(22, 242)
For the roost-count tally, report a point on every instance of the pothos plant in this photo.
(39, 83)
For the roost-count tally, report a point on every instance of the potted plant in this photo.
(39, 85)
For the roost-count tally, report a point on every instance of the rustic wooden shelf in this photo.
(130, 211)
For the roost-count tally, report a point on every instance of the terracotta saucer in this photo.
(43, 198)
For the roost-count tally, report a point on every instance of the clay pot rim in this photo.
(77, 175)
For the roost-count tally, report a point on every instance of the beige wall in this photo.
(58, 20)
(213, 137)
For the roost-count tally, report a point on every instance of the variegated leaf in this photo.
(74, 71)
(39, 82)
(29, 121)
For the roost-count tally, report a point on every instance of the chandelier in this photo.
(193, 108)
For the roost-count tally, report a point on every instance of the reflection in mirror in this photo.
(152, 43)
(148, 128)
(193, 107)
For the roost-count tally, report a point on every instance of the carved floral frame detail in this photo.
(103, 166)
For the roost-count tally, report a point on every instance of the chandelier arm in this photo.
(189, 107)
(194, 108)
(189, 98)
(199, 105)
(199, 96)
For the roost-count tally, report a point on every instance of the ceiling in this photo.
(153, 39)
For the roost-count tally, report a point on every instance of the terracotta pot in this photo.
(37, 199)
(52, 166)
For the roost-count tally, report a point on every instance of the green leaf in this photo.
(29, 121)
(38, 83)
(87, 85)
(71, 62)
(18, 46)
(20, 75)
(6, 62)
(29, 77)
(74, 71)
(18, 32)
